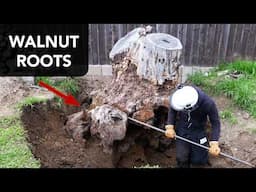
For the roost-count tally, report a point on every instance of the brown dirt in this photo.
(238, 138)
(54, 147)
(13, 90)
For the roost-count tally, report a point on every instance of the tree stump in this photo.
(146, 69)
(109, 124)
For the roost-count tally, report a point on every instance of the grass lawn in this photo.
(236, 81)
(14, 150)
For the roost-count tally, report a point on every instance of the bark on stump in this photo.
(146, 69)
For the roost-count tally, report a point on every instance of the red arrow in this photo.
(69, 99)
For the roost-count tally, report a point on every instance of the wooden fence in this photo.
(203, 44)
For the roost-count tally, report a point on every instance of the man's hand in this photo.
(170, 133)
(214, 148)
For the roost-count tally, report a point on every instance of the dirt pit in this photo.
(55, 148)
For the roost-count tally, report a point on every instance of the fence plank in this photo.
(174, 30)
(195, 46)
(115, 35)
(183, 41)
(216, 44)
(250, 42)
(244, 42)
(188, 46)
(241, 40)
(233, 42)
(108, 44)
(90, 60)
(254, 44)
(220, 41)
(225, 41)
(165, 28)
(202, 40)
(94, 48)
(237, 41)
(101, 43)
(210, 46)
(230, 46)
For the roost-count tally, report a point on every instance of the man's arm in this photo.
(171, 116)
(215, 122)
(170, 132)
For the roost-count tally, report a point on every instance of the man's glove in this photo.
(170, 133)
(214, 148)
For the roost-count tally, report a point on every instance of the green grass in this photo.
(14, 150)
(6, 122)
(67, 85)
(30, 101)
(246, 67)
(253, 130)
(229, 116)
(241, 90)
(207, 82)
(198, 78)
(47, 80)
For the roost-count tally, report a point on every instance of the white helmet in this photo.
(184, 98)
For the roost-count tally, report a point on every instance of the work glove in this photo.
(170, 132)
(214, 148)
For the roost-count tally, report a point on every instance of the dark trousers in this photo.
(188, 154)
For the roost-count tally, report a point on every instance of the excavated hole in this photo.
(56, 149)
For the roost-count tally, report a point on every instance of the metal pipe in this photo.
(192, 142)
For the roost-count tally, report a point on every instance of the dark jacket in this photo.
(196, 123)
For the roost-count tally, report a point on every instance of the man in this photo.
(187, 116)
